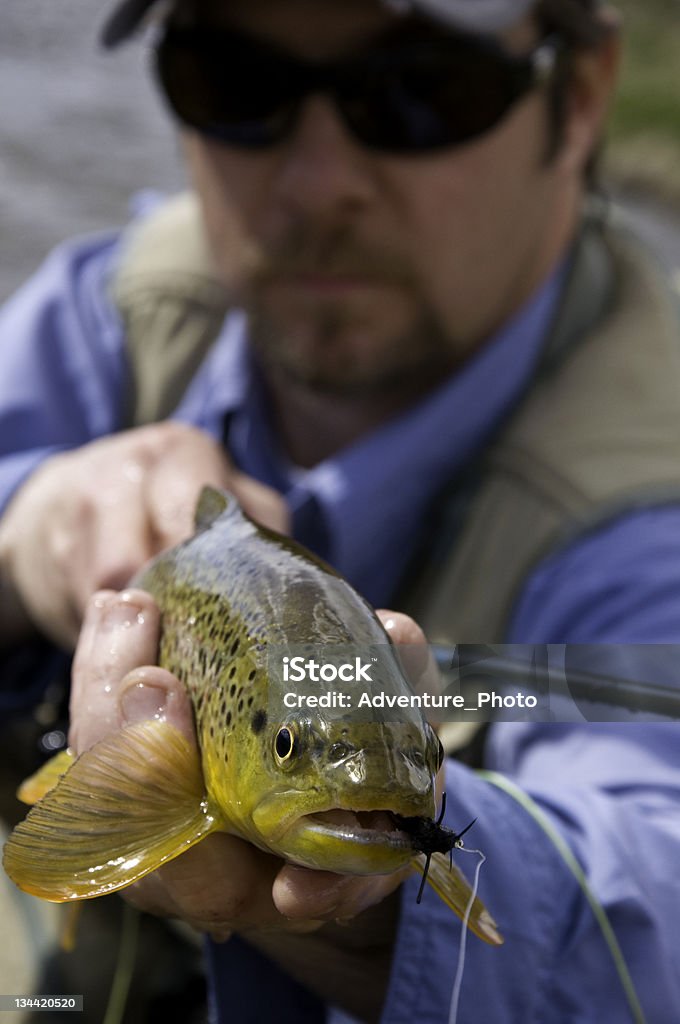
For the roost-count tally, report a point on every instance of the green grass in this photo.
(644, 137)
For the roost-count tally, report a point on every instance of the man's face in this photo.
(379, 272)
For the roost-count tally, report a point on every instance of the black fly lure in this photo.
(429, 836)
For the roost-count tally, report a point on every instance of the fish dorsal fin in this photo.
(212, 505)
(129, 804)
(451, 885)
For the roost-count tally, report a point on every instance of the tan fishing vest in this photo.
(597, 433)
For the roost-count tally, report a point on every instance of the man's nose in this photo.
(323, 171)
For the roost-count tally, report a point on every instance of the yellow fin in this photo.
(128, 805)
(36, 786)
(451, 885)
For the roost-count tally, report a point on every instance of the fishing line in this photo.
(457, 985)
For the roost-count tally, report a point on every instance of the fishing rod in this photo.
(472, 664)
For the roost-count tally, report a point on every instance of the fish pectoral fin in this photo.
(129, 804)
(451, 885)
(36, 786)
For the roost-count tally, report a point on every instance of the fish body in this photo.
(249, 592)
(322, 790)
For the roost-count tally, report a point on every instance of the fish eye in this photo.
(284, 744)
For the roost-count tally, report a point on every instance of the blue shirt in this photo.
(612, 790)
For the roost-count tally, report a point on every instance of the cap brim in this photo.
(469, 15)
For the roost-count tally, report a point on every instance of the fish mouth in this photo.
(345, 840)
(371, 828)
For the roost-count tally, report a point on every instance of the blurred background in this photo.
(81, 130)
(644, 140)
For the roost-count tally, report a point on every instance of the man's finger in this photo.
(153, 692)
(119, 514)
(300, 892)
(174, 483)
(415, 655)
(401, 628)
(262, 503)
(120, 633)
(222, 884)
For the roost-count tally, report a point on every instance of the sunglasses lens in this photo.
(226, 87)
(429, 102)
(401, 99)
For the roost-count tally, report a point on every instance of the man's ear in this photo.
(593, 78)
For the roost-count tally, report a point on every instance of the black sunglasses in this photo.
(410, 92)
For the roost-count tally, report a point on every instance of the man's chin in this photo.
(338, 356)
(347, 380)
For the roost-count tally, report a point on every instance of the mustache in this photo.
(305, 250)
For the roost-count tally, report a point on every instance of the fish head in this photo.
(332, 786)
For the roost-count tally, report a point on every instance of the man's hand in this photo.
(92, 517)
(224, 884)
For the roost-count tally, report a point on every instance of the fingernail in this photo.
(140, 701)
(120, 611)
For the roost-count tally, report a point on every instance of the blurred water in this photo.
(80, 130)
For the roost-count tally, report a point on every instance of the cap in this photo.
(468, 15)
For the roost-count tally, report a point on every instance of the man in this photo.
(444, 377)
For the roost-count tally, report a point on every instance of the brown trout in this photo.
(336, 792)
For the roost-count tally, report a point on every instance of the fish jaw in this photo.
(358, 837)
(348, 842)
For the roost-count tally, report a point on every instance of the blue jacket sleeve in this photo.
(61, 385)
(61, 351)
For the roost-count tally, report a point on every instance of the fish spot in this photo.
(232, 671)
(235, 646)
(259, 720)
(251, 675)
(232, 689)
(240, 705)
(226, 757)
(250, 701)
(228, 717)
